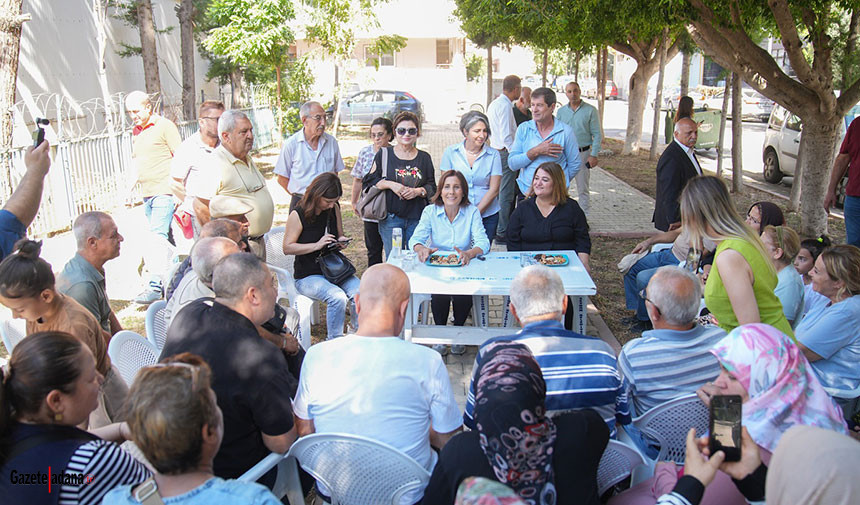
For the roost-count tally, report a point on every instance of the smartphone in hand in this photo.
(39, 132)
(725, 426)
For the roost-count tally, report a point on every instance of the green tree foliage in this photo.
(475, 67)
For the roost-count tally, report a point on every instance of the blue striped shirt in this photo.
(666, 364)
(579, 372)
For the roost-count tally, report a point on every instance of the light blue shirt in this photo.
(301, 164)
(585, 123)
(528, 137)
(464, 232)
(215, 491)
(812, 299)
(488, 164)
(832, 332)
(789, 290)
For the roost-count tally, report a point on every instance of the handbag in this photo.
(371, 205)
(335, 267)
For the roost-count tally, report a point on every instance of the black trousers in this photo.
(439, 305)
(373, 243)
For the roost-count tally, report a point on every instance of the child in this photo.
(783, 244)
(803, 263)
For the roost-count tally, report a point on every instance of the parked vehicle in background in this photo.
(363, 107)
(611, 90)
(754, 105)
(782, 143)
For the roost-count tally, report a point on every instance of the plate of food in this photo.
(552, 260)
(444, 259)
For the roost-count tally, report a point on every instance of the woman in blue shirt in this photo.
(452, 224)
(480, 164)
(830, 336)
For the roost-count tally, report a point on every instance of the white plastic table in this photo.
(492, 276)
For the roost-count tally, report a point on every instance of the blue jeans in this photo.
(392, 222)
(636, 279)
(157, 255)
(336, 298)
(490, 225)
(852, 220)
(507, 193)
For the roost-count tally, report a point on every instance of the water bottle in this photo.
(396, 242)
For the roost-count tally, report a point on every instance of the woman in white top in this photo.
(452, 224)
(480, 164)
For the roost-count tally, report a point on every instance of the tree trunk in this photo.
(10, 41)
(186, 39)
(147, 46)
(820, 136)
(737, 133)
(281, 133)
(543, 67)
(489, 75)
(850, 47)
(796, 186)
(576, 66)
(655, 131)
(601, 88)
(686, 57)
(636, 101)
(725, 113)
(237, 89)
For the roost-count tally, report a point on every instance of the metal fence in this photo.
(91, 173)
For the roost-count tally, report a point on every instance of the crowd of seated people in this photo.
(233, 384)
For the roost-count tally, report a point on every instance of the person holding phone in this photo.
(21, 208)
(314, 225)
(451, 224)
(778, 390)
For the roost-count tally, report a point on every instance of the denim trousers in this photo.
(158, 253)
(491, 223)
(337, 298)
(636, 279)
(852, 220)
(392, 222)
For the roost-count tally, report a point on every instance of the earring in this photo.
(58, 418)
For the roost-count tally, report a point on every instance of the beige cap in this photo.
(223, 206)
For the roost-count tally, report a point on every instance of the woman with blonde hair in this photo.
(829, 336)
(783, 244)
(740, 287)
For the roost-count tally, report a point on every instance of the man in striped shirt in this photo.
(673, 359)
(579, 371)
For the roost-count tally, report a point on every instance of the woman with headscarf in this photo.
(763, 214)
(779, 390)
(545, 461)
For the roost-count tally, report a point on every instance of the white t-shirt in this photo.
(382, 388)
(190, 164)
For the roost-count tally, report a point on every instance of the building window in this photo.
(444, 53)
(385, 60)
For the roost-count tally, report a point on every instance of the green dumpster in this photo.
(709, 126)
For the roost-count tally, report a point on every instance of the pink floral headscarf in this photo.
(783, 389)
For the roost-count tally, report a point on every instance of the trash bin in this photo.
(709, 126)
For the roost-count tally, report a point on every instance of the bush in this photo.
(475, 67)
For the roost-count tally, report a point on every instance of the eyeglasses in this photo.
(752, 219)
(404, 131)
(378, 135)
(317, 118)
(644, 295)
(195, 370)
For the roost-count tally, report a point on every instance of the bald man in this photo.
(677, 165)
(399, 390)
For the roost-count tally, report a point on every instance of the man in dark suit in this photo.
(677, 165)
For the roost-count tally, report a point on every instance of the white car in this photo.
(782, 142)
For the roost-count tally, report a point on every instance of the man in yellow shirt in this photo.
(154, 140)
(234, 174)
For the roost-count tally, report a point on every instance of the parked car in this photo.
(754, 105)
(363, 107)
(782, 143)
(611, 90)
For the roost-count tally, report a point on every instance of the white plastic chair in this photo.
(130, 352)
(668, 423)
(282, 266)
(660, 247)
(617, 463)
(287, 480)
(156, 326)
(13, 331)
(357, 470)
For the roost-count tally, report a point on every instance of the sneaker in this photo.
(458, 350)
(441, 349)
(147, 297)
(641, 326)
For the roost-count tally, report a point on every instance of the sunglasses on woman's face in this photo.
(404, 131)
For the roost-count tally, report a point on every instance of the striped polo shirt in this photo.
(666, 364)
(579, 372)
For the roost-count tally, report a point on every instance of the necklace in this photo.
(475, 153)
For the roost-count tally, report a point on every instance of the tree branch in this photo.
(790, 40)
(848, 98)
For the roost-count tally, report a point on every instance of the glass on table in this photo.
(527, 259)
(407, 260)
(396, 241)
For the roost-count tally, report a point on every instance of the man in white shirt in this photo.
(503, 129)
(376, 385)
(189, 161)
(307, 153)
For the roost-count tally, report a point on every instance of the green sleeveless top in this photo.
(769, 306)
